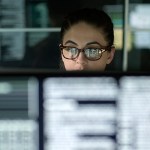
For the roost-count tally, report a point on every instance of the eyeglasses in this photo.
(92, 54)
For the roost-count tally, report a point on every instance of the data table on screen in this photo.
(106, 113)
(19, 126)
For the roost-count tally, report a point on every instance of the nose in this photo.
(81, 59)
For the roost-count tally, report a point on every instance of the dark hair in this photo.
(92, 16)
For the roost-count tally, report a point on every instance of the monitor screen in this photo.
(75, 111)
(19, 127)
(103, 112)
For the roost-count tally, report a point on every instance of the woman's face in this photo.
(83, 35)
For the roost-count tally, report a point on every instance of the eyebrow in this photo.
(89, 43)
(71, 42)
(93, 42)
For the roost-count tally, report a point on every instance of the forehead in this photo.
(83, 32)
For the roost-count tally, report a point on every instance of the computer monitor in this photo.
(74, 111)
(97, 112)
(19, 126)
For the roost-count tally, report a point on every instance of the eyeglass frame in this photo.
(103, 49)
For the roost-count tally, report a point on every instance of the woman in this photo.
(87, 38)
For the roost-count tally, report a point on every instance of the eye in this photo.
(72, 50)
(92, 51)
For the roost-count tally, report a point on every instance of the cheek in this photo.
(98, 65)
(68, 64)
